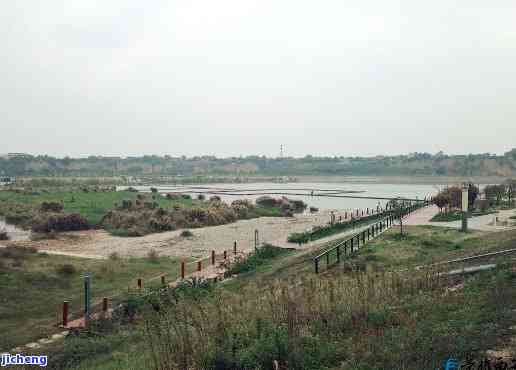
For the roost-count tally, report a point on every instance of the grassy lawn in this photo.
(426, 245)
(93, 205)
(33, 288)
(457, 216)
(347, 320)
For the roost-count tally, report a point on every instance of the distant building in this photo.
(6, 180)
(18, 155)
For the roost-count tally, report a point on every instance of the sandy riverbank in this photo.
(99, 243)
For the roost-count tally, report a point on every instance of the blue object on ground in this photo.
(451, 364)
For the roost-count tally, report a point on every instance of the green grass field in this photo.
(348, 320)
(33, 288)
(93, 205)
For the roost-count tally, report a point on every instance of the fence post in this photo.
(140, 283)
(352, 242)
(338, 253)
(327, 259)
(316, 262)
(65, 313)
(199, 266)
(212, 257)
(256, 239)
(87, 299)
(225, 255)
(163, 282)
(182, 270)
(235, 248)
(363, 237)
(104, 304)
(358, 240)
(368, 233)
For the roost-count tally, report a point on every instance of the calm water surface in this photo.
(373, 190)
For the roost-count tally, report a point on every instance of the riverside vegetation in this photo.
(438, 164)
(372, 312)
(128, 213)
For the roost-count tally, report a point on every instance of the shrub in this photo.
(186, 234)
(153, 190)
(257, 258)
(3, 235)
(114, 256)
(201, 197)
(66, 269)
(70, 222)
(314, 209)
(51, 207)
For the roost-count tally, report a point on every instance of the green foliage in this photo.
(415, 164)
(66, 269)
(42, 278)
(328, 230)
(257, 258)
(186, 234)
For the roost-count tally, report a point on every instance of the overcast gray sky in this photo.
(232, 77)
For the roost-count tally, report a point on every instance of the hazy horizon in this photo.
(242, 77)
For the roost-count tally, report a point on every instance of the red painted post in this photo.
(362, 213)
(367, 210)
(357, 212)
(340, 218)
(104, 304)
(234, 248)
(212, 257)
(163, 282)
(65, 313)
(182, 269)
(346, 215)
(199, 265)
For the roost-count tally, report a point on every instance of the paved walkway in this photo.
(482, 223)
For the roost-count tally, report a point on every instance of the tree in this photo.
(495, 193)
(455, 194)
(510, 189)
(441, 200)
(473, 192)
(398, 208)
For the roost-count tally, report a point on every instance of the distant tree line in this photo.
(401, 165)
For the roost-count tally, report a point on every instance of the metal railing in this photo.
(354, 242)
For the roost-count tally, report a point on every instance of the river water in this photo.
(412, 191)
